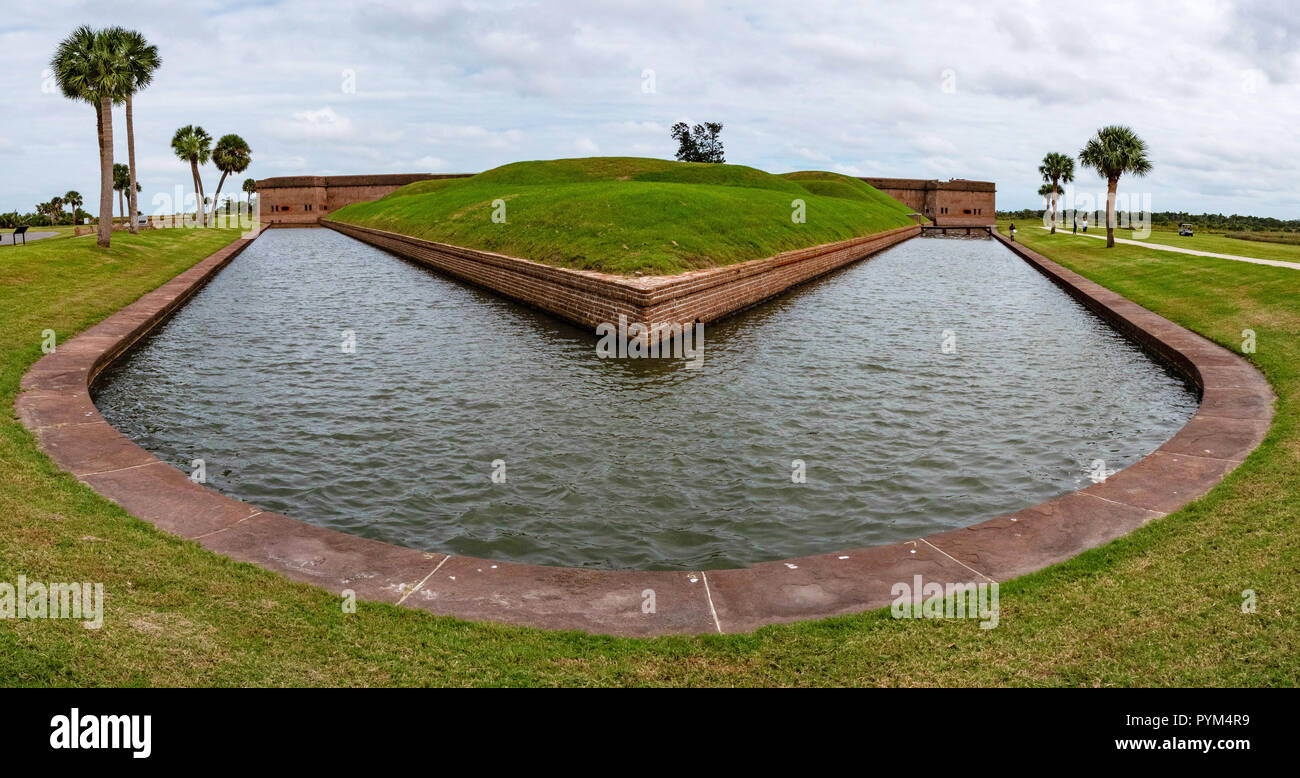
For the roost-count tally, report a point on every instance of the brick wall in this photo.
(291, 204)
(955, 203)
(912, 198)
(303, 200)
(589, 298)
(963, 208)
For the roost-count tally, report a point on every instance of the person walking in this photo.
(1013, 232)
(1076, 224)
(1085, 223)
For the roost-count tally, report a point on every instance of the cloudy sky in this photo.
(890, 88)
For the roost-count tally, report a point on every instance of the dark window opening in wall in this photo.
(966, 212)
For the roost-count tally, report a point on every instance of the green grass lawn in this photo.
(1200, 241)
(1158, 607)
(627, 215)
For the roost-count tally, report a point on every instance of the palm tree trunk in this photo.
(1111, 186)
(105, 111)
(1053, 206)
(130, 160)
(220, 183)
(203, 209)
(121, 206)
(199, 209)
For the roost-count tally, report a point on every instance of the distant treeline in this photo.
(39, 219)
(1205, 221)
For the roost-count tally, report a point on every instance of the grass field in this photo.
(1201, 241)
(1159, 607)
(628, 215)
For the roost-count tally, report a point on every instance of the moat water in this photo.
(935, 385)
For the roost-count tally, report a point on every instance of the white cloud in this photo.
(815, 156)
(933, 144)
(854, 86)
(321, 123)
(474, 136)
(428, 164)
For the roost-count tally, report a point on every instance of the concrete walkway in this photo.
(1193, 252)
(7, 239)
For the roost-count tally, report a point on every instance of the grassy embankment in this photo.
(627, 215)
(1159, 607)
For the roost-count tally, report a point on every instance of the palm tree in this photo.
(121, 181)
(50, 209)
(250, 188)
(141, 59)
(1048, 194)
(1056, 169)
(87, 67)
(194, 145)
(1112, 152)
(231, 155)
(73, 200)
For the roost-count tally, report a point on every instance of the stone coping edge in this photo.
(1236, 409)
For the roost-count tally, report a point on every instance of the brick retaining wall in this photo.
(589, 298)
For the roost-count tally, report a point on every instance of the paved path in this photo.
(7, 239)
(1193, 252)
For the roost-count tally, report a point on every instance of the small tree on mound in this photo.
(701, 143)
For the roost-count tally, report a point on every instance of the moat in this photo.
(937, 384)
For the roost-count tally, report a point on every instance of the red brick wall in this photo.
(964, 208)
(286, 200)
(968, 203)
(588, 298)
(912, 198)
(289, 205)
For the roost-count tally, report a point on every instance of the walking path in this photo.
(7, 239)
(1194, 252)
